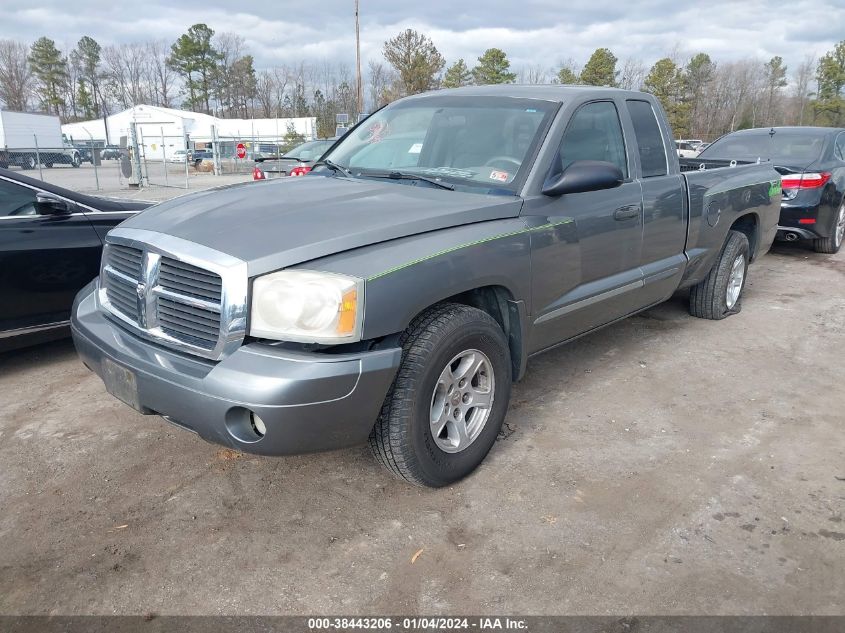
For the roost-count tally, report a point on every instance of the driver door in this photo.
(585, 252)
(44, 259)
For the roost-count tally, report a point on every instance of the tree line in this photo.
(210, 72)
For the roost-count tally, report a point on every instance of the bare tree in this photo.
(802, 78)
(632, 75)
(125, 67)
(161, 76)
(533, 74)
(16, 80)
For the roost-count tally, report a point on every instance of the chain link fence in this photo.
(87, 166)
(149, 156)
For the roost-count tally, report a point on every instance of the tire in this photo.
(402, 440)
(75, 161)
(29, 163)
(832, 243)
(709, 299)
(48, 165)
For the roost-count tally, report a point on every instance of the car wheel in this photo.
(75, 161)
(833, 242)
(48, 165)
(720, 293)
(29, 162)
(449, 399)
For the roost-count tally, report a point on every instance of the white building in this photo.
(162, 131)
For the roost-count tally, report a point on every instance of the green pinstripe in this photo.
(445, 251)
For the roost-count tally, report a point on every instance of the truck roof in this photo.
(546, 92)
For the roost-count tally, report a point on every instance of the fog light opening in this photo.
(257, 424)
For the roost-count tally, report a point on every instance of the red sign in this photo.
(241, 150)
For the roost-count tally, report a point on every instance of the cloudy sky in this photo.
(532, 32)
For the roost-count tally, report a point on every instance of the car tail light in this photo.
(812, 180)
(300, 171)
(257, 174)
(807, 221)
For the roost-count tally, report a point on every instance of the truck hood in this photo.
(275, 224)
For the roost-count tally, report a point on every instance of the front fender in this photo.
(407, 275)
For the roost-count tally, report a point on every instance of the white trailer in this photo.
(26, 138)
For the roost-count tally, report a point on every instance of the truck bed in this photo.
(717, 194)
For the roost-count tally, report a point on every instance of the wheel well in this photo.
(748, 225)
(494, 300)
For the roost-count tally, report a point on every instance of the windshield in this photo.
(309, 150)
(479, 142)
(782, 146)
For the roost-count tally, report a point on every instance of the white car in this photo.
(685, 149)
(179, 156)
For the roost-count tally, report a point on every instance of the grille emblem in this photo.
(141, 293)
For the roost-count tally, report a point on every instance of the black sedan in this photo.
(811, 161)
(50, 245)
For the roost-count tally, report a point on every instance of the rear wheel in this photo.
(29, 162)
(447, 404)
(833, 242)
(75, 161)
(719, 294)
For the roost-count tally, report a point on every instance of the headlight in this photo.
(307, 307)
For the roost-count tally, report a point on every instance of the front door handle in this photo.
(627, 213)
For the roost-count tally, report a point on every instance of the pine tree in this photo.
(493, 68)
(50, 69)
(830, 105)
(86, 56)
(457, 75)
(567, 76)
(667, 82)
(416, 59)
(194, 57)
(600, 69)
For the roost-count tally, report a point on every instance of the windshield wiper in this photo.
(335, 167)
(401, 175)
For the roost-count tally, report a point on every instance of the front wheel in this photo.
(75, 161)
(718, 295)
(832, 243)
(449, 399)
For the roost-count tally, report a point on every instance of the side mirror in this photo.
(48, 204)
(585, 175)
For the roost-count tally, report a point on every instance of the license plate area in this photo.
(121, 383)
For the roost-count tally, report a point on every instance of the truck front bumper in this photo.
(305, 401)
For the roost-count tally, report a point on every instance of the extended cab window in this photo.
(16, 200)
(594, 133)
(649, 139)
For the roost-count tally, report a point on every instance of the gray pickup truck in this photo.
(396, 292)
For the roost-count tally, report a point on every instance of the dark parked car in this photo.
(110, 152)
(811, 161)
(296, 162)
(85, 153)
(50, 244)
(199, 155)
(397, 290)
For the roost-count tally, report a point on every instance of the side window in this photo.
(840, 146)
(594, 133)
(649, 139)
(16, 200)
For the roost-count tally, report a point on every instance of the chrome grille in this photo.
(183, 278)
(125, 260)
(174, 302)
(194, 325)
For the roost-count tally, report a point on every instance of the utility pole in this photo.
(359, 93)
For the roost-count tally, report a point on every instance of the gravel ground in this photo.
(664, 465)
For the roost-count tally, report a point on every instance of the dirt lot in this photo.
(662, 465)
